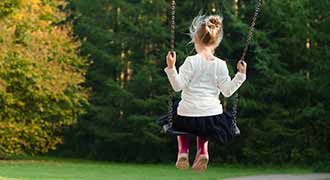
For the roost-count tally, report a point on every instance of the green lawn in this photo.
(87, 170)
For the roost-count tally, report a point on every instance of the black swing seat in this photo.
(168, 128)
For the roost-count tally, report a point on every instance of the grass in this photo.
(55, 169)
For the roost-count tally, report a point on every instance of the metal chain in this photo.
(251, 31)
(172, 47)
(172, 24)
(235, 107)
(246, 47)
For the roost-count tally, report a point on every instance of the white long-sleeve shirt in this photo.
(201, 82)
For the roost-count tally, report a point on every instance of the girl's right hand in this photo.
(171, 59)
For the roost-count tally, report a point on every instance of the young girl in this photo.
(201, 78)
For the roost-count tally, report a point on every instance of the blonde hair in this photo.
(207, 29)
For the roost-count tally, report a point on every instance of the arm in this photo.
(227, 86)
(179, 80)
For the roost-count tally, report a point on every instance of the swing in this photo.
(167, 120)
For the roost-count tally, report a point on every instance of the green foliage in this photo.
(292, 126)
(41, 80)
(8, 6)
(283, 106)
(322, 166)
(125, 40)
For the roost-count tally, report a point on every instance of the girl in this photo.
(201, 78)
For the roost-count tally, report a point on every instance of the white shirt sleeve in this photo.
(227, 86)
(181, 80)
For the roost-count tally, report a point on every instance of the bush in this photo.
(41, 79)
(7, 7)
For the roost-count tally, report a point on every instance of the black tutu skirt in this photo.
(218, 127)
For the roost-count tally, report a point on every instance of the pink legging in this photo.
(183, 144)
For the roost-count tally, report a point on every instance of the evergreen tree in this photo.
(283, 111)
(283, 104)
(125, 40)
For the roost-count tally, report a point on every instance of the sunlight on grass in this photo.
(3, 178)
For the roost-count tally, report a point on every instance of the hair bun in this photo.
(207, 30)
(214, 22)
(213, 26)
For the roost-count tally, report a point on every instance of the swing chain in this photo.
(251, 31)
(235, 109)
(172, 23)
(172, 47)
(246, 47)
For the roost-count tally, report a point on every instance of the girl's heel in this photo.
(182, 162)
(200, 164)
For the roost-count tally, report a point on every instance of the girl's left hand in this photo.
(241, 66)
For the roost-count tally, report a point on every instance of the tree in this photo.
(283, 104)
(124, 39)
(283, 110)
(41, 76)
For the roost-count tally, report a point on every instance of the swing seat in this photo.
(168, 128)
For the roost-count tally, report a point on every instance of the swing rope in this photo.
(172, 48)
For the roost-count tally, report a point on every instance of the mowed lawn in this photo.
(87, 170)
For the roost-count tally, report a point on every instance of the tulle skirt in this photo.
(218, 127)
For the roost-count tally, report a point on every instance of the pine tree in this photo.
(125, 40)
(283, 104)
